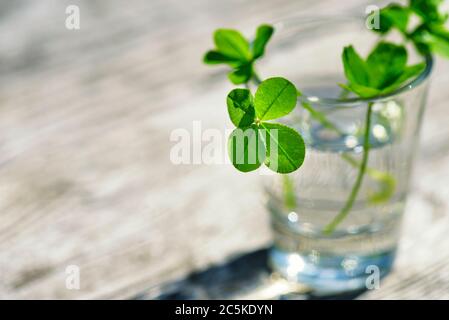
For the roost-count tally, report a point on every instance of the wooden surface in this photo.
(85, 176)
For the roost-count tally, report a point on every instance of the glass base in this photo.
(332, 274)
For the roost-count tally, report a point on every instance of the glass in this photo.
(312, 245)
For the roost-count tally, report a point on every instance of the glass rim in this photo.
(408, 86)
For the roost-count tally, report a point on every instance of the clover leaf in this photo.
(275, 98)
(385, 64)
(241, 107)
(263, 35)
(355, 67)
(285, 148)
(246, 148)
(216, 57)
(232, 43)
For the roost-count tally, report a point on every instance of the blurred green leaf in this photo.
(385, 64)
(216, 57)
(263, 35)
(354, 67)
(428, 10)
(408, 73)
(434, 38)
(361, 91)
(232, 44)
(393, 16)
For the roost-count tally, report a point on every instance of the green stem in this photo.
(385, 180)
(256, 77)
(358, 183)
(289, 193)
(321, 118)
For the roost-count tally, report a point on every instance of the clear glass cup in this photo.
(316, 241)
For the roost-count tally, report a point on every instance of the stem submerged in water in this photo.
(358, 183)
(289, 193)
(321, 118)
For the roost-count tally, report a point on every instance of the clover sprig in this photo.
(232, 48)
(256, 140)
(383, 71)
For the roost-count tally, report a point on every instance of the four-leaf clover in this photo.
(256, 141)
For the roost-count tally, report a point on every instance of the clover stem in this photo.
(321, 118)
(289, 193)
(256, 78)
(358, 183)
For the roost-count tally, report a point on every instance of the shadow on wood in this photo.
(245, 277)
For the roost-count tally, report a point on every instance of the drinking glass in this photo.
(335, 226)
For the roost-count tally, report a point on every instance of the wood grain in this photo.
(85, 176)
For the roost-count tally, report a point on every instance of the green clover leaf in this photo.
(428, 10)
(246, 148)
(285, 148)
(263, 35)
(241, 107)
(275, 98)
